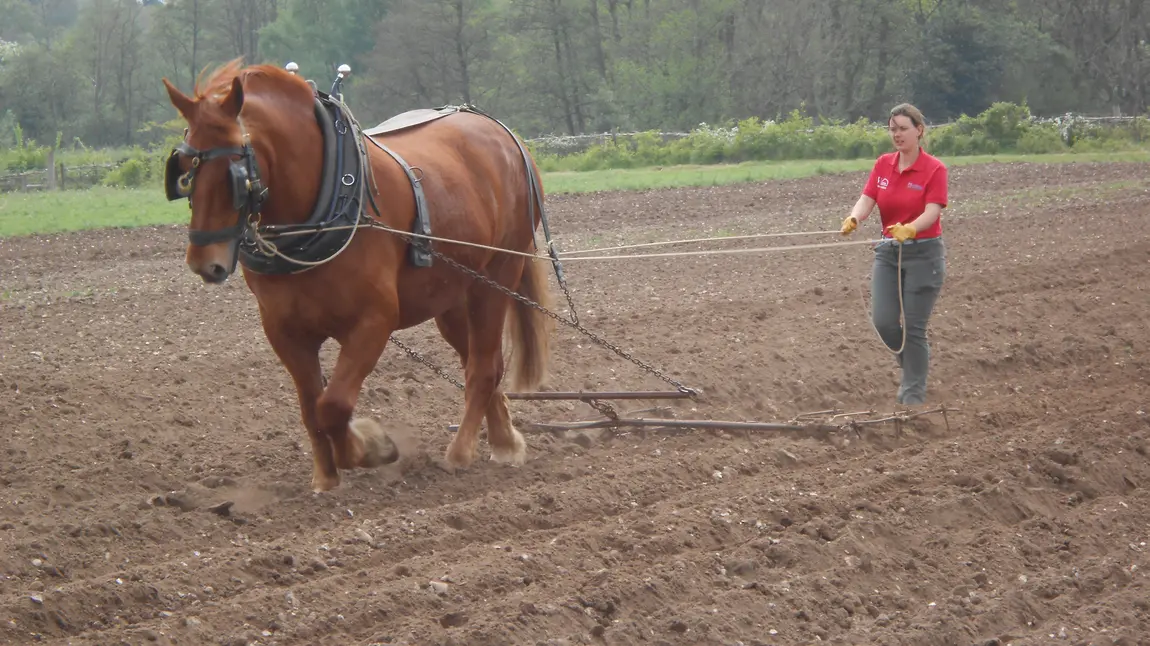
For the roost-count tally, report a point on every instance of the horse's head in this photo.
(216, 169)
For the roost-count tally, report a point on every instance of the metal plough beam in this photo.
(898, 418)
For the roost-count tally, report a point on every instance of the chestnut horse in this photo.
(256, 163)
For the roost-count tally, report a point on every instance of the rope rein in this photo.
(901, 310)
(719, 252)
(374, 224)
(716, 238)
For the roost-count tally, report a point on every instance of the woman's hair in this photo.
(909, 111)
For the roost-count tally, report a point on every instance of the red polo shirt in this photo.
(902, 197)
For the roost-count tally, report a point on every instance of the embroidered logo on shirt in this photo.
(914, 186)
(883, 182)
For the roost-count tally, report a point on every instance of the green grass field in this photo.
(669, 177)
(33, 213)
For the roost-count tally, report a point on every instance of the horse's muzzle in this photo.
(214, 262)
(213, 273)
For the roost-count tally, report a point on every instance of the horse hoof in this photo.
(514, 455)
(378, 449)
(458, 457)
(511, 457)
(321, 484)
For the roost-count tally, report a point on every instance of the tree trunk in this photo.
(878, 101)
(576, 78)
(195, 38)
(613, 9)
(568, 114)
(597, 35)
(461, 52)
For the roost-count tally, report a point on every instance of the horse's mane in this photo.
(218, 82)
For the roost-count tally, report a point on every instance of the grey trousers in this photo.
(923, 272)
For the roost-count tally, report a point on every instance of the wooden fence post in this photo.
(50, 172)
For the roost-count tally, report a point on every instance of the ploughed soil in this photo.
(137, 402)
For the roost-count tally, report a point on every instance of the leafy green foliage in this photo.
(26, 154)
(131, 174)
(319, 35)
(763, 73)
(965, 54)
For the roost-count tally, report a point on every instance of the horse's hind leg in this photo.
(507, 444)
(484, 370)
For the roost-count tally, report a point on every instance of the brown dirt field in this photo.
(133, 399)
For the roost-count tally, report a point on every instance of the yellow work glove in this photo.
(849, 225)
(901, 232)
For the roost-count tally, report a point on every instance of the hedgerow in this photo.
(1002, 128)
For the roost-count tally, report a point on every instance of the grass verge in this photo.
(94, 208)
(718, 175)
(103, 207)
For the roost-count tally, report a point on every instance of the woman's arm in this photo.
(862, 208)
(904, 232)
(865, 204)
(928, 217)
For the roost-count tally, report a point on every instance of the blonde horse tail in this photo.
(529, 329)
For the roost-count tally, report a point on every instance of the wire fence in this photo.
(59, 177)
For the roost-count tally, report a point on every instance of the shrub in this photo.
(140, 168)
(27, 154)
(131, 174)
(1038, 141)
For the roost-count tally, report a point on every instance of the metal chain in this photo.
(570, 301)
(603, 407)
(563, 282)
(420, 358)
(571, 323)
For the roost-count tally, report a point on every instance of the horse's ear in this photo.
(181, 101)
(234, 100)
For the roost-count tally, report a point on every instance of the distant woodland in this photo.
(89, 70)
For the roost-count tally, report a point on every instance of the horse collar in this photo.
(337, 214)
(290, 248)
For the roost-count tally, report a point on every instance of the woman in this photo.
(909, 186)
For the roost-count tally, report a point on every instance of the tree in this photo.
(320, 35)
(962, 62)
(429, 52)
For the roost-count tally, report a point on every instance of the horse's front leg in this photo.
(360, 443)
(299, 353)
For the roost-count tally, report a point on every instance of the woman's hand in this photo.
(859, 212)
(849, 225)
(902, 232)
